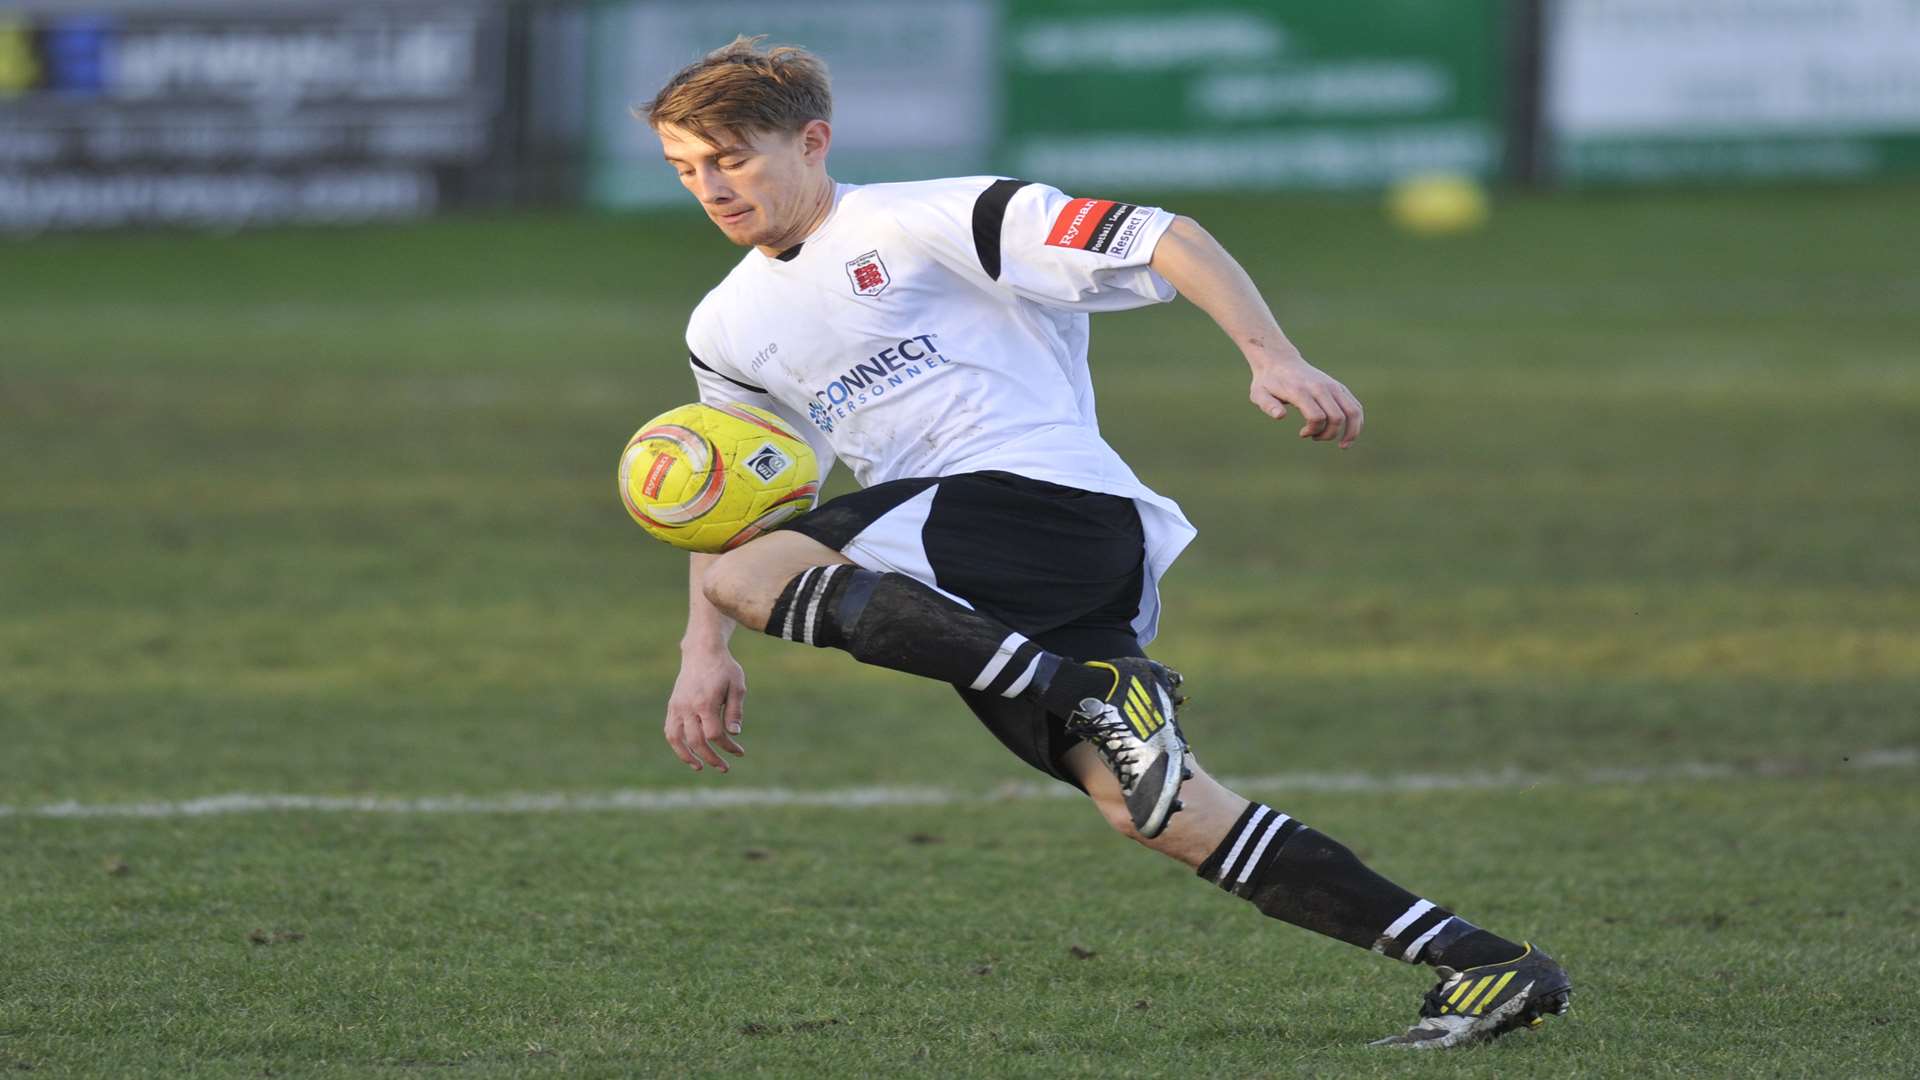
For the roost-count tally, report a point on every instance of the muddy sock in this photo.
(894, 621)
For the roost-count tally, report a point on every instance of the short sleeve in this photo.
(718, 382)
(1077, 254)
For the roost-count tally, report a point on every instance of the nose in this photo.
(710, 187)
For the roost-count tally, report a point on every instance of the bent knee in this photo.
(731, 585)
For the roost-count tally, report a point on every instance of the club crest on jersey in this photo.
(868, 275)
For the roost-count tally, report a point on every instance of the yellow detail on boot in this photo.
(1137, 697)
(1116, 676)
(1461, 989)
(1493, 993)
(1467, 1002)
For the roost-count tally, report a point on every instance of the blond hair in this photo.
(743, 89)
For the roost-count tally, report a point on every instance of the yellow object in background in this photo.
(19, 71)
(1438, 204)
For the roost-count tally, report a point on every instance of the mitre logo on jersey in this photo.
(1101, 226)
(868, 274)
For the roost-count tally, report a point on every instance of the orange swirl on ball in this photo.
(700, 454)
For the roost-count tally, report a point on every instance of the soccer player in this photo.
(933, 335)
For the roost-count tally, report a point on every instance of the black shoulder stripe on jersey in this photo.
(989, 211)
(695, 361)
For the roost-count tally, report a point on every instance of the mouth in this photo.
(733, 218)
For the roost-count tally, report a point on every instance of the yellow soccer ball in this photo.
(1438, 204)
(712, 477)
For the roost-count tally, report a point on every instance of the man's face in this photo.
(761, 188)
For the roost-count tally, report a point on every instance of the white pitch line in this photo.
(636, 801)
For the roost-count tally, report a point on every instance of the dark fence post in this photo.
(1527, 163)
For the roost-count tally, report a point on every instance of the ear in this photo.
(815, 139)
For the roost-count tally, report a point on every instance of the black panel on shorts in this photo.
(837, 521)
(989, 212)
(1033, 554)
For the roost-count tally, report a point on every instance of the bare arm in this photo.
(1193, 262)
(707, 699)
(708, 628)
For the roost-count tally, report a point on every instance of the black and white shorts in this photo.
(1060, 565)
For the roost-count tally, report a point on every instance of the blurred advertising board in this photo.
(225, 114)
(1651, 90)
(1252, 93)
(912, 84)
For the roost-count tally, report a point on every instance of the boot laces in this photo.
(1436, 998)
(1114, 741)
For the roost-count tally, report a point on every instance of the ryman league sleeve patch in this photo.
(1101, 226)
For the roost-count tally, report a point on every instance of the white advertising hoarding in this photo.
(1653, 89)
(912, 83)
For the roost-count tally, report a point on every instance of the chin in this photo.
(743, 237)
(752, 239)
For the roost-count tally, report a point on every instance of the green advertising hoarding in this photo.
(1251, 93)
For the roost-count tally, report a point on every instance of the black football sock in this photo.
(1470, 946)
(893, 621)
(1300, 875)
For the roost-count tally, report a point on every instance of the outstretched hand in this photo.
(1194, 263)
(705, 709)
(1328, 408)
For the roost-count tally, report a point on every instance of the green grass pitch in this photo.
(332, 513)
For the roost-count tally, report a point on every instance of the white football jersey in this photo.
(940, 327)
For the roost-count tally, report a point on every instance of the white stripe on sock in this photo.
(1000, 658)
(1253, 860)
(1259, 814)
(1026, 677)
(793, 610)
(1420, 942)
(819, 593)
(1405, 920)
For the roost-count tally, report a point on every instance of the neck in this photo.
(822, 206)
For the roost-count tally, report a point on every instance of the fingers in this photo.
(1356, 417)
(687, 736)
(736, 701)
(702, 750)
(1328, 410)
(1268, 402)
(1314, 411)
(714, 729)
(704, 711)
(672, 733)
(693, 749)
(1341, 416)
